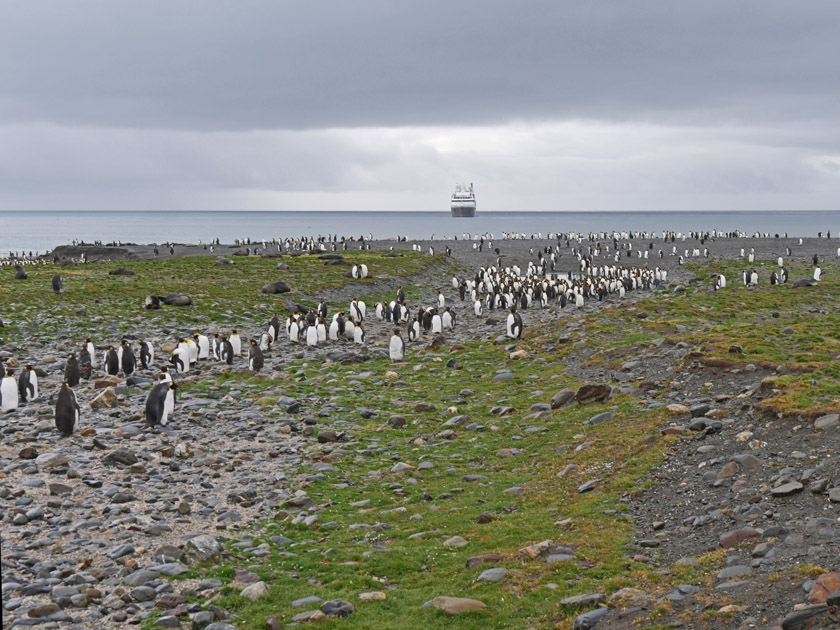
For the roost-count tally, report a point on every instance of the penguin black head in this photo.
(253, 343)
(397, 332)
(233, 332)
(110, 347)
(195, 335)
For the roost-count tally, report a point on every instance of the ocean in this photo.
(43, 230)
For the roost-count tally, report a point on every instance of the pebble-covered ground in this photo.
(95, 526)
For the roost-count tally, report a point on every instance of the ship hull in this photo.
(463, 210)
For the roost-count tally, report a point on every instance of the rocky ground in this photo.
(94, 526)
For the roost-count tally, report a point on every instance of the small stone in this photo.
(373, 596)
(105, 400)
(734, 538)
(786, 489)
(492, 575)
(312, 600)
(455, 541)
(455, 605)
(627, 598)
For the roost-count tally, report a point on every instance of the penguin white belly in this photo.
(359, 335)
(396, 349)
(192, 351)
(92, 352)
(312, 336)
(321, 333)
(8, 394)
(334, 331)
(236, 344)
(168, 407)
(203, 347)
(437, 325)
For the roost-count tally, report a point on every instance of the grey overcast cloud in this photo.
(374, 105)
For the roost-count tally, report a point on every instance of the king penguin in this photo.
(72, 373)
(227, 351)
(311, 335)
(128, 361)
(396, 349)
(57, 283)
(8, 391)
(180, 359)
(255, 357)
(111, 363)
(85, 363)
(147, 354)
(28, 384)
(66, 411)
(359, 334)
(91, 351)
(203, 344)
(160, 403)
(235, 343)
(514, 324)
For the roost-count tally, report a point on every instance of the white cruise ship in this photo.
(463, 201)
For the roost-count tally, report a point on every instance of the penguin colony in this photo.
(595, 274)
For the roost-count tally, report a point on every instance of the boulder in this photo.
(593, 392)
(122, 271)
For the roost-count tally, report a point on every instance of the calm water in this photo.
(42, 231)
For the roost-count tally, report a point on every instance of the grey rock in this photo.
(492, 575)
(120, 456)
(337, 608)
(799, 619)
(201, 549)
(307, 601)
(590, 619)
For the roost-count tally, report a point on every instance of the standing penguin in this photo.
(216, 347)
(514, 324)
(85, 363)
(414, 329)
(192, 349)
(274, 327)
(255, 357)
(66, 411)
(265, 341)
(396, 349)
(227, 351)
(91, 351)
(321, 329)
(359, 334)
(203, 344)
(111, 363)
(57, 283)
(128, 362)
(235, 343)
(72, 373)
(448, 318)
(28, 384)
(312, 335)
(147, 354)
(8, 391)
(160, 403)
(180, 359)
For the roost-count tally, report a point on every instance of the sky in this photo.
(546, 105)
